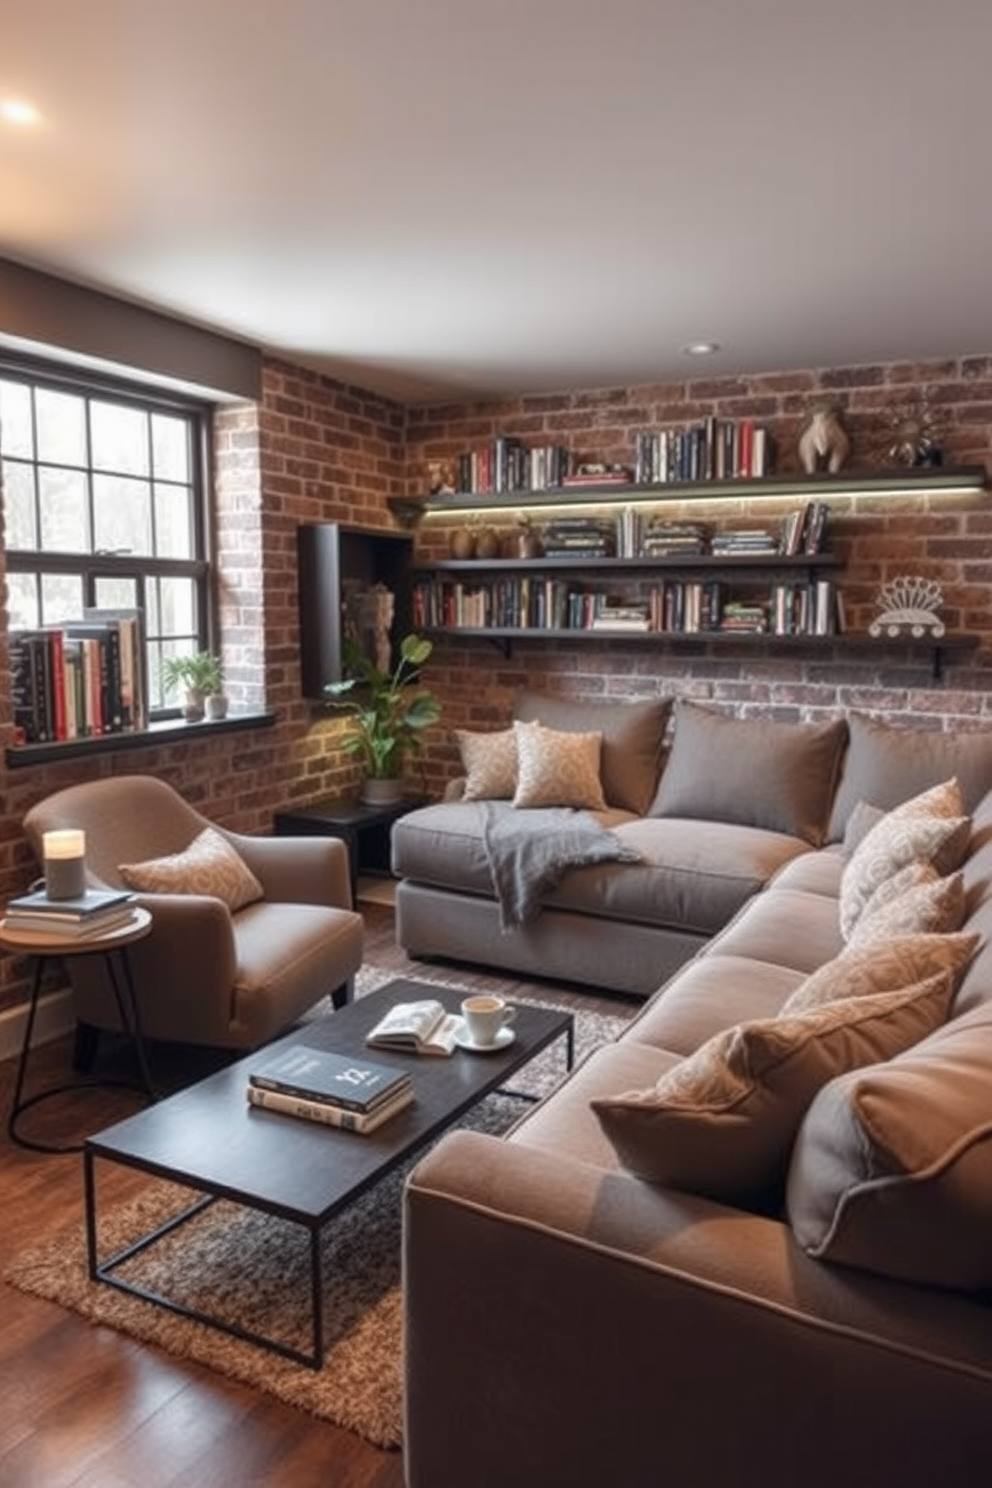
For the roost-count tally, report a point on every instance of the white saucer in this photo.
(503, 1040)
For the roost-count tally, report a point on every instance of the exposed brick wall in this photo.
(315, 450)
(949, 540)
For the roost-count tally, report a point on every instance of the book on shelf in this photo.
(424, 1027)
(47, 926)
(329, 1114)
(347, 1081)
(82, 909)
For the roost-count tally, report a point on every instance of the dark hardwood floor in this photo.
(86, 1406)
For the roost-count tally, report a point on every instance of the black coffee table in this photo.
(208, 1138)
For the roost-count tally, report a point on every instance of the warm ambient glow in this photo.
(19, 111)
(68, 843)
(701, 348)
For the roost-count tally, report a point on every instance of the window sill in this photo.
(173, 731)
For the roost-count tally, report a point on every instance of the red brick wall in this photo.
(950, 541)
(316, 450)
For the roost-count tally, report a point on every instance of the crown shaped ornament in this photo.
(908, 606)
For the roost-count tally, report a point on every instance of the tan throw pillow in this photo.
(722, 1122)
(754, 772)
(556, 769)
(919, 829)
(633, 739)
(210, 865)
(490, 764)
(861, 971)
(892, 1167)
(936, 907)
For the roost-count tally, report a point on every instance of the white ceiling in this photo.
(443, 198)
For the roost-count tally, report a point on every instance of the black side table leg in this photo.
(119, 972)
(17, 1104)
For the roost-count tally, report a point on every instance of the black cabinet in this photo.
(336, 564)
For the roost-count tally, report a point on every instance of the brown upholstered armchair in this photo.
(209, 974)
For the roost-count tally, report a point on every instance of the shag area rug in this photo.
(253, 1269)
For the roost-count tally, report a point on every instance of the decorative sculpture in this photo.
(823, 440)
(908, 607)
(370, 620)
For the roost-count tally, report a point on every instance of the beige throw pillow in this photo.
(923, 828)
(863, 970)
(210, 865)
(489, 762)
(722, 1122)
(555, 769)
(934, 907)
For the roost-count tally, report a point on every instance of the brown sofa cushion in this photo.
(760, 773)
(633, 739)
(871, 1184)
(886, 764)
(210, 865)
(722, 1123)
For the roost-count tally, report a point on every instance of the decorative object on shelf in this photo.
(529, 544)
(824, 443)
(369, 613)
(908, 606)
(442, 477)
(64, 860)
(201, 675)
(487, 543)
(387, 714)
(462, 543)
(912, 434)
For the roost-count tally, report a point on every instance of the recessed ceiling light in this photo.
(18, 111)
(701, 348)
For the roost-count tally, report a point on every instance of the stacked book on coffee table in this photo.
(354, 1094)
(81, 918)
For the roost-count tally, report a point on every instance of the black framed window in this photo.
(106, 504)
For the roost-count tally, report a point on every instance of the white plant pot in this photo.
(217, 704)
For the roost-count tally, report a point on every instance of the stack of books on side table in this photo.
(354, 1094)
(81, 918)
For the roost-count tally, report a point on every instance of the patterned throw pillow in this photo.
(896, 962)
(902, 906)
(931, 827)
(555, 769)
(490, 764)
(722, 1123)
(210, 865)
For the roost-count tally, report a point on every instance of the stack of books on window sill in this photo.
(354, 1094)
(91, 914)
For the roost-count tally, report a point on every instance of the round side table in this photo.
(112, 945)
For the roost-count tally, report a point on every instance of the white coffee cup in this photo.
(485, 1017)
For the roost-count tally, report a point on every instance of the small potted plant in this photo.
(386, 714)
(201, 675)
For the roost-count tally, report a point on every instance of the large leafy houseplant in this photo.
(386, 711)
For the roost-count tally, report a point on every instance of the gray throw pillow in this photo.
(753, 771)
(633, 734)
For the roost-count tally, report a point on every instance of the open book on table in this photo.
(421, 1027)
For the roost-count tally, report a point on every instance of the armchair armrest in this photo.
(298, 870)
(566, 1324)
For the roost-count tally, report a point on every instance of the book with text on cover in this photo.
(347, 1081)
(420, 1027)
(327, 1112)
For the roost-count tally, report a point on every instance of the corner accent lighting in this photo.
(18, 111)
(701, 348)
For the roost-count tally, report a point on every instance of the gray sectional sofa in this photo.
(750, 1242)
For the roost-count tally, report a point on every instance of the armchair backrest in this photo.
(126, 819)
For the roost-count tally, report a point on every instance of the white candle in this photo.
(64, 853)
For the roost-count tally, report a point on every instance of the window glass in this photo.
(104, 506)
